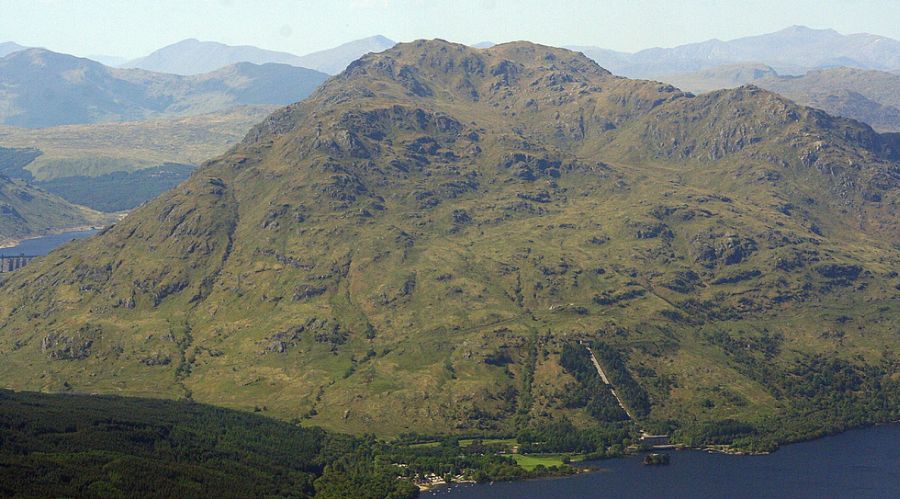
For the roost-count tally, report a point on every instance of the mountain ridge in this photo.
(334, 60)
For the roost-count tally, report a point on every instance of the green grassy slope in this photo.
(412, 247)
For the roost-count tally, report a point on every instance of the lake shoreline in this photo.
(844, 457)
(597, 468)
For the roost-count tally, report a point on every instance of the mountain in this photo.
(720, 77)
(612, 60)
(39, 88)
(10, 47)
(334, 60)
(484, 45)
(193, 57)
(28, 212)
(108, 60)
(430, 242)
(791, 50)
(865, 95)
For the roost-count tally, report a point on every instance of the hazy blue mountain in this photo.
(484, 45)
(40, 88)
(719, 77)
(611, 60)
(335, 60)
(791, 50)
(10, 47)
(108, 60)
(192, 56)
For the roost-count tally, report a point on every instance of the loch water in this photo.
(40, 246)
(859, 463)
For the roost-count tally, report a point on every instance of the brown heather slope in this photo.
(411, 248)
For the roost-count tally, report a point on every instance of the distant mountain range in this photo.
(192, 57)
(865, 95)
(40, 88)
(108, 60)
(792, 50)
(335, 60)
(7, 48)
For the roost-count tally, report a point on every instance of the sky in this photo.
(133, 28)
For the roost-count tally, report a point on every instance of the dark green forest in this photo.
(118, 191)
(69, 445)
(80, 445)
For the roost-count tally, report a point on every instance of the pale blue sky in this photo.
(132, 28)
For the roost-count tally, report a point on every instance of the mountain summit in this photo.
(192, 57)
(425, 242)
(335, 60)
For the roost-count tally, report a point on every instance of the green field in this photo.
(530, 461)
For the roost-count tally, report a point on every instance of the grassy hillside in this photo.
(416, 246)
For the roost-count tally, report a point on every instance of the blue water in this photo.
(43, 245)
(859, 464)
